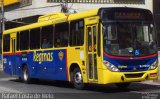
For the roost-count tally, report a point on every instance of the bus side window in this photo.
(35, 38)
(47, 37)
(17, 41)
(61, 35)
(24, 40)
(6, 43)
(76, 33)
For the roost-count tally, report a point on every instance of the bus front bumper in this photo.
(120, 77)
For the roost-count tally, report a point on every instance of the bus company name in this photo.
(43, 57)
(122, 67)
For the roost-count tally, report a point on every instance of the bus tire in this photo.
(78, 79)
(19, 78)
(25, 76)
(123, 85)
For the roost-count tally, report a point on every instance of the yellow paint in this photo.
(43, 57)
(92, 20)
(9, 2)
(115, 77)
(52, 16)
(12, 37)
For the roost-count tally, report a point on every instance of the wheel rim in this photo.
(78, 78)
(25, 75)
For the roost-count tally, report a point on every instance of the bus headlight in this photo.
(154, 65)
(110, 66)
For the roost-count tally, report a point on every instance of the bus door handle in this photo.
(77, 48)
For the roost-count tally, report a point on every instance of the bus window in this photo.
(77, 33)
(17, 42)
(35, 38)
(6, 43)
(112, 32)
(61, 35)
(24, 40)
(47, 37)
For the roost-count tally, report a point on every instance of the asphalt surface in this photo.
(11, 87)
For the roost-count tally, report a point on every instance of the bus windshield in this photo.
(129, 38)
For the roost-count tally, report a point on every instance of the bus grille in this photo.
(132, 69)
(134, 75)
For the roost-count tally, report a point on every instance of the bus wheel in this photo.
(26, 78)
(19, 78)
(123, 85)
(77, 79)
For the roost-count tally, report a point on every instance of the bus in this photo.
(114, 45)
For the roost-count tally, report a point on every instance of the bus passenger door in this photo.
(92, 52)
(13, 57)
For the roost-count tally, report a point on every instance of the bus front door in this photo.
(13, 58)
(92, 52)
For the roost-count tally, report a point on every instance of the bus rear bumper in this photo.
(120, 77)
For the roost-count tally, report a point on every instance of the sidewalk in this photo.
(1, 68)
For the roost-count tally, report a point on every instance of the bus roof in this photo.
(35, 25)
(83, 14)
(53, 19)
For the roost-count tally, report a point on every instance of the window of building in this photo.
(53, 1)
(24, 40)
(24, 3)
(100, 1)
(61, 35)
(47, 37)
(50, 1)
(76, 33)
(35, 38)
(129, 1)
(6, 43)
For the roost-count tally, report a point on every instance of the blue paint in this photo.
(141, 64)
(52, 70)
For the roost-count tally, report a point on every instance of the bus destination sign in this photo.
(127, 15)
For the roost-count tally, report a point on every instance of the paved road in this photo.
(13, 88)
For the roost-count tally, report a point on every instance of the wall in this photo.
(156, 12)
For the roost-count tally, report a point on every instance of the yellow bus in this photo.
(101, 46)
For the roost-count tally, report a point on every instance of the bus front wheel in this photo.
(78, 79)
(26, 78)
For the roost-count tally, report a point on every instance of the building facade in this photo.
(156, 12)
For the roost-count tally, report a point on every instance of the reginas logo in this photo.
(60, 55)
(43, 57)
